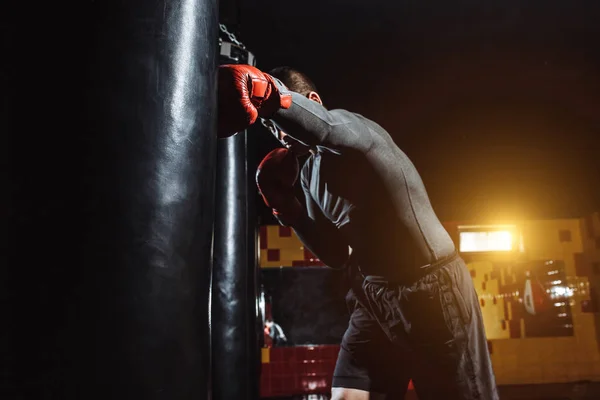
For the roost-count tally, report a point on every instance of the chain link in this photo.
(231, 36)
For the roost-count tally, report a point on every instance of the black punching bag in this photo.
(113, 116)
(235, 344)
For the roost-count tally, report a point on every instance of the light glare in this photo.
(471, 242)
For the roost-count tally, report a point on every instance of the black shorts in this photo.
(430, 331)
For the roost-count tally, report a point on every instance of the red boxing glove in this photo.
(245, 93)
(275, 177)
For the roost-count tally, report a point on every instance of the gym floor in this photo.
(556, 391)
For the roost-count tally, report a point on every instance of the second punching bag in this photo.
(234, 288)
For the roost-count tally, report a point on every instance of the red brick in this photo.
(589, 226)
(289, 385)
(334, 351)
(286, 369)
(265, 386)
(285, 231)
(276, 355)
(288, 354)
(273, 255)
(300, 353)
(311, 367)
(276, 386)
(514, 327)
(582, 268)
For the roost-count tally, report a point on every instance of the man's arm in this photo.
(321, 237)
(323, 240)
(246, 94)
(311, 123)
(275, 177)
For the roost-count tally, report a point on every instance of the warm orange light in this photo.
(482, 241)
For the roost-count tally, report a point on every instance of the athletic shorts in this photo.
(430, 331)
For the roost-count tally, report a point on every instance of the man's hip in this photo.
(435, 327)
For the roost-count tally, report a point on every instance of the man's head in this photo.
(298, 82)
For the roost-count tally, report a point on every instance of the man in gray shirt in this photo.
(416, 314)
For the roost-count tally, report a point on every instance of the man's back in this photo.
(378, 201)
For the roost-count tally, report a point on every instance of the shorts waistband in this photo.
(419, 273)
(442, 261)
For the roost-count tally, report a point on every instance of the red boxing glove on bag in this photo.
(245, 93)
(275, 177)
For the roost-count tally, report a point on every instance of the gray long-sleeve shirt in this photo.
(361, 191)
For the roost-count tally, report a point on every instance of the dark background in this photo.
(496, 102)
(308, 303)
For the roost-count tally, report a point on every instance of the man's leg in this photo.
(354, 394)
(368, 366)
(452, 358)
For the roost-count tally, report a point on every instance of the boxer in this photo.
(415, 314)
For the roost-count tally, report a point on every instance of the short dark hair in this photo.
(295, 80)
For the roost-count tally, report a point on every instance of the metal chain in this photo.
(231, 36)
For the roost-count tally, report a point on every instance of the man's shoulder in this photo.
(350, 116)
